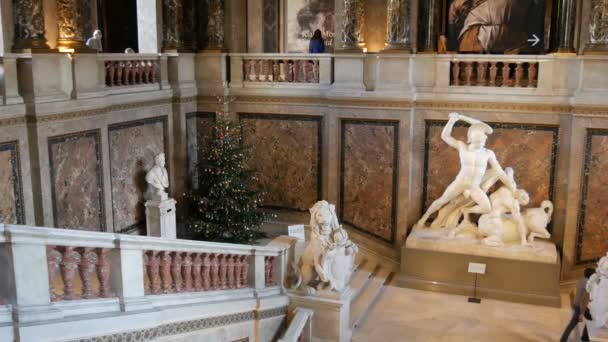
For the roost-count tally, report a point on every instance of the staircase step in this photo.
(361, 278)
(363, 303)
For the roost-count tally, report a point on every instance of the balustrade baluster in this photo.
(110, 71)
(145, 72)
(176, 272)
(119, 73)
(493, 73)
(127, 73)
(223, 271)
(54, 258)
(244, 271)
(296, 71)
(481, 73)
(306, 71)
(69, 265)
(290, 72)
(468, 73)
(238, 266)
(103, 272)
(506, 69)
(197, 263)
(455, 73)
(153, 71)
(154, 272)
(147, 280)
(246, 69)
(284, 65)
(87, 268)
(215, 272)
(165, 271)
(138, 71)
(275, 71)
(519, 74)
(531, 74)
(316, 71)
(256, 67)
(187, 271)
(206, 273)
(230, 271)
(265, 70)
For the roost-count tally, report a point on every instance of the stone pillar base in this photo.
(31, 46)
(160, 218)
(331, 318)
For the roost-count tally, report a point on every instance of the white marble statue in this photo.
(502, 219)
(95, 41)
(157, 178)
(597, 287)
(328, 259)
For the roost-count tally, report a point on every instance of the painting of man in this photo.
(496, 26)
(304, 17)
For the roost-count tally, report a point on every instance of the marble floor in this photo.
(412, 315)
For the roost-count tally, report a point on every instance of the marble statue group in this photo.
(502, 218)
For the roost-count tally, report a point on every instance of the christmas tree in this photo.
(225, 205)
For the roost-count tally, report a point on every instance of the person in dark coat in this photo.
(317, 44)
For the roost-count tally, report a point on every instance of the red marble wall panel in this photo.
(199, 131)
(76, 181)
(593, 220)
(11, 192)
(133, 146)
(285, 151)
(368, 176)
(530, 150)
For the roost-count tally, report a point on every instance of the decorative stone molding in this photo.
(398, 24)
(74, 24)
(352, 24)
(172, 24)
(598, 26)
(28, 16)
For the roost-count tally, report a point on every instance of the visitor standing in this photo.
(577, 304)
(317, 44)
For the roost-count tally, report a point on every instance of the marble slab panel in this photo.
(531, 150)
(592, 240)
(286, 153)
(11, 189)
(368, 183)
(76, 181)
(199, 132)
(133, 146)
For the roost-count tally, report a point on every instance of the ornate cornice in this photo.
(483, 106)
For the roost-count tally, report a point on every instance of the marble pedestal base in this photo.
(331, 318)
(160, 218)
(504, 279)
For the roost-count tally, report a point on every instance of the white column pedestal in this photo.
(160, 218)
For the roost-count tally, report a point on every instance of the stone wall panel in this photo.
(11, 190)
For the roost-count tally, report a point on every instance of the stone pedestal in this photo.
(160, 218)
(331, 318)
(525, 274)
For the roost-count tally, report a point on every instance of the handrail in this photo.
(300, 327)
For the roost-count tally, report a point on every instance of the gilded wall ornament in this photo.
(74, 23)
(352, 23)
(398, 23)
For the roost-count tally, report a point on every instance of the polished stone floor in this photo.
(411, 315)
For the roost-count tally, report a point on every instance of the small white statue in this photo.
(328, 259)
(157, 178)
(597, 287)
(95, 41)
(129, 50)
(502, 219)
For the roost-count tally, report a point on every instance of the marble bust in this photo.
(95, 41)
(157, 178)
(502, 219)
(328, 259)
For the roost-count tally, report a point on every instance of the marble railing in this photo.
(296, 68)
(494, 72)
(53, 273)
(300, 327)
(9, 84)
(130, 69)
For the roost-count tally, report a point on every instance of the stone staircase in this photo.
(369, 280)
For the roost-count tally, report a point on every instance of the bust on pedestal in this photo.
(160, 209)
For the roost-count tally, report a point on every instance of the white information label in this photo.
(296, 231)
(477, 268)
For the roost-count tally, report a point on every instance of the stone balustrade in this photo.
(292, 69)
(129, 72)
(300, 326)
(9, 86)
(494, 73)
(56, 273)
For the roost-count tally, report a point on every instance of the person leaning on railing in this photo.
(317, 44)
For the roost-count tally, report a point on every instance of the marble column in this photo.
(563, 34)
(428, 29)
(397, 24)
(28, 16)
(352, 25)
(173, 11)
(597, 39)
(190, 25)
(214, 27)
(74, 24)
